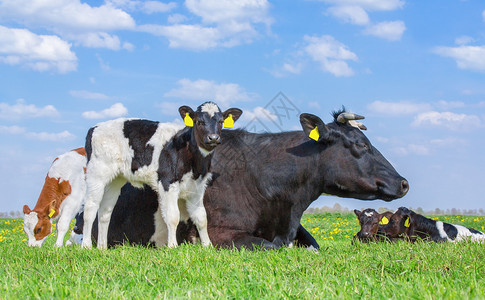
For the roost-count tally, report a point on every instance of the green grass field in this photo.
(340, 270)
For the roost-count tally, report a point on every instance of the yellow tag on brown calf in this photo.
(384, 221)
(406, 223)
(51, 213)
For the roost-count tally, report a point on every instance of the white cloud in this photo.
(72, 20)
(62, 15)
(463, 40)
(350, 14)
(88, 95)
(449, 120)
(115, 111)
(331, 54)
(20, 110)
(12, 129)
(372, 5)
(259, 113)
(38, 52)
(391, 31)
(202, 90)
(148, 7)
(176, 18)
(466, 57)
(41, 136)
(225, 23)
(397, 108)
(447, 105)
(51, 137)
(169, 108)
(191, 37)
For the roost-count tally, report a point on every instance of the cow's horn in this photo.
(344, 117)
(357, 125)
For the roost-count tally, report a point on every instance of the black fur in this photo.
(262, 183)
(89, 147)
(138, 133)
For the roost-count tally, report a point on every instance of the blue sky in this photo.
(414, 69)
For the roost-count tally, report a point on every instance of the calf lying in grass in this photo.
(371, 223)
(410, 225)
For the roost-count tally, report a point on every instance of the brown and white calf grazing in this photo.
(408, 224)
(61, 198)
(371, 223)
(174, 160)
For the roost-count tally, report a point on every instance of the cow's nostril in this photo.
(214, 138)
(404, 187)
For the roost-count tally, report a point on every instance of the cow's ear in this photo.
(313, 127)
(230, 116)
(187, 115)
(357, 212)
(407, 222)
(384, 221)
(26, 209)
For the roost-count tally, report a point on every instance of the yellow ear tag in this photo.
(228, 122)
(406, 223)
(314, 135)
(188, 120)
(384, 221)
(51, 213)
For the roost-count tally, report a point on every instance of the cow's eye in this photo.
(38, 230)
(201, 123)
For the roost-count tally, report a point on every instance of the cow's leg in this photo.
(305, 239)
(97, 177)
(73, 204)
(252, 243)
(62, 225)
(198, 215)
(168, 202)
(111, 194)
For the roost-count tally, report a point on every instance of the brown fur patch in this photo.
(52, 194)
(81, 151)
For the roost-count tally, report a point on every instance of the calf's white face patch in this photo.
(30, 221)
(210, 108)
(369, 214)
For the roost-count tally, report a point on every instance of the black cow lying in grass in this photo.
(262, 184)
(405, 223)
(371, 223)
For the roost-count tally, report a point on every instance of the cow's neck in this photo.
(191, 155)
(48, 198)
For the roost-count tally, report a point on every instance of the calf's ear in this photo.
(187, 115)
(357, 212)
(26, 209)
(384, 221)
(313, 127)
(230, 116)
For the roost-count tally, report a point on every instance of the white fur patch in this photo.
(441, 230)
(465, 234)
(210, 108)
(369, 214)
(204, 152)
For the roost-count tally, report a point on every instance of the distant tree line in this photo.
(336, 208)
(454, 211)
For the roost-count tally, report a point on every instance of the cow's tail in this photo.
(88, 146)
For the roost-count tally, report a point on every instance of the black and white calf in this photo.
(406, 223)
(171, 159)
